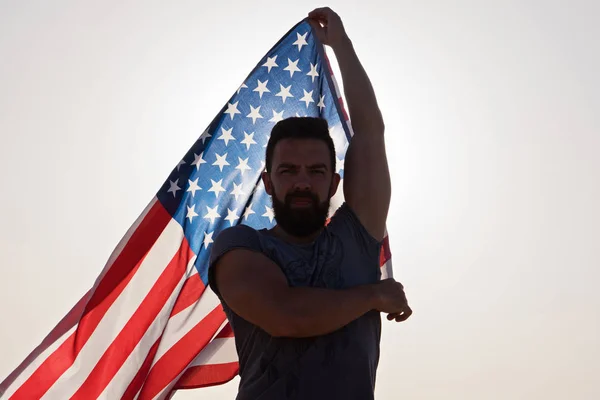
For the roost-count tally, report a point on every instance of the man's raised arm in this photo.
(367, 186)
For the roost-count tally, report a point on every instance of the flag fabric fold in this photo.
(150, 325)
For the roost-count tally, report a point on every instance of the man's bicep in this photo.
(251, 285)
(367, 186)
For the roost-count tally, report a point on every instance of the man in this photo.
(304, 298)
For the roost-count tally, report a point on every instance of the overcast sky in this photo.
(492, 113)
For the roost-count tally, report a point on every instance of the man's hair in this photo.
(300, 128)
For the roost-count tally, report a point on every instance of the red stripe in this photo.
(385, 254)
(129, 337)
(207, 375)
(111, 286)
(328, 64)
(190, 293)
(140, 377)
(181, 354)
(344, 113)
(226, 332)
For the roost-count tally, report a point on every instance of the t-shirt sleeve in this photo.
(237, 237)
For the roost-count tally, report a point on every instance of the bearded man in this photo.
(304, 299)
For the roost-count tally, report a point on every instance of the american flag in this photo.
(150, 325)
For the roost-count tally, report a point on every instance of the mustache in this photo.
(301, 195)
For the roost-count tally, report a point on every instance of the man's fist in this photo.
(392, 300)
(328, 26)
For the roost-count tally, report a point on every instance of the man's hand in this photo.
(391, 299)
(328, 26)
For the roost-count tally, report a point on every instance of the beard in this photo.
(301, 221)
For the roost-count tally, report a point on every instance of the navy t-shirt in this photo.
(341, 364)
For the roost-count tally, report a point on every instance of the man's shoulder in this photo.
(235, 236)
(237, 230)
(231, 238)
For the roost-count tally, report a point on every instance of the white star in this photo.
(248, 140)
(232, 109)
(193, 186)
(267, 141)
(180, 164)
(231, 216)
(242, 86)
(292, 67)
(208, 238)
(313, 72)
(198, 160)
(226, 135)
(174, 188)
(307, 97)
(276, 116)
(321, 104)
(340, 164)
(261, 87)
(270, 63)
(191, 213)
(237, 190)
(284, 92)
(205, 135)
(262, 165)
(301, 41)
(243, 165)
(254, 114)
(216, 187)
(221, 161)
(212, 214)
(269, 213)
(248, 212)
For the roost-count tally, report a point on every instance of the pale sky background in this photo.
(492, 112)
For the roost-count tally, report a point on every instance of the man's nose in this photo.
(302, 182)
(302, 186)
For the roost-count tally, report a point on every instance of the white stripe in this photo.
(120, 312)
(132, 364)
(386, 270)
(218, 351)
(179, 325)
(35, 364)
(337, 200)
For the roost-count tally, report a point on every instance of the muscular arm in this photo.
(254, 287)
(367, 186)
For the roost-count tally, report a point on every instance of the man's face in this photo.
(301, 184)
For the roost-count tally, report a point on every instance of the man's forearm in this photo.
(308, 311)
(360, 96)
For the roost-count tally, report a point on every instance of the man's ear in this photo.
(266, 178)
(335, 182)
